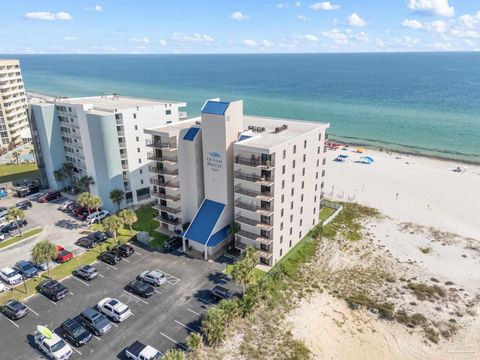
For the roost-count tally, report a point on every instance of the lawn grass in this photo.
(147, 222)
(18, 238)
(12, 172)
(325, 213)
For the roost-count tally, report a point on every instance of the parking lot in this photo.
(163, 320)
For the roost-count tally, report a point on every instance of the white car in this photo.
(2, 287)
(10, 276)
(97, 216)
(52, 345)
(65, 204)
(154, 277)
(114, 309)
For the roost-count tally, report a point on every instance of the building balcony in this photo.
(123, 156)
(161, 145)
(252, 222)
(267, 181)
(254, 161)
(125, 166)
(255, 237)
(260, 195)
(182, 115)
(165, 184)
(163, 158)
(168, 209)
(261, 210)
(168, 172)
(163, 196)
(121, 133)
(172, 220)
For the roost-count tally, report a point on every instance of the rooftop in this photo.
(174, 128)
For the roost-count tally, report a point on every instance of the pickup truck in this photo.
(52, 345)
(139, 351)
(63, 255)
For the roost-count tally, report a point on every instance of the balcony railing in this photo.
(123, 156)
(165, 196)
(262, 210)
(160, 144)
(168, 209)
(152, 156)
(169, 220)
(165, 184)
(253, 161)
(255, 237)
(262, 195)
(157, 170)
(253, 222)
(125, 166)
(253, 178)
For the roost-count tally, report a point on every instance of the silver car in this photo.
(154, 277)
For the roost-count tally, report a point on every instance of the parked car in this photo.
(87, 272)
(95, 321)
(71, 209)
(24, 205)
(172, 243)
(114, 309)
(14, 309)
(10, 276)
(2, 287)
(124, 250)
(220, 293)
(139, 351)
(26, 269)
(53, 290)
(24, 191)
(99, 236)
(66, 204)
(82, 215)
(86, 242)
(50, 196)
(13, 225)
(63, 255)
(154, 277)
(75, 333)
(97, 216)
(140, 288)
(110, 257)
(52, 345)
(43, 266)
(3, 212)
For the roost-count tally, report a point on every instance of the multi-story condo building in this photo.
(229, 179)
(103, 137)
(13, 104)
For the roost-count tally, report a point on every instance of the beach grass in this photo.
(18, 238)
(13, 172)
(325, 213)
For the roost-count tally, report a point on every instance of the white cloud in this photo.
(267, 43)
(325, 5)
(431, 7)
(412, 24)
(297, 4)
(336, 35)
(308, 37)
(301, 17)
(470, 21)
(96, 8)
(48, 16)
(194, 38)
(141, 41)
(249, 43)
(70, 38)
(281, 6)
(355, 20)
(162, 42)
(238, 16)
(438, 25)
(362, 37)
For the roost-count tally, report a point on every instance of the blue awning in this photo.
(205, 220)
(218, 237)
(244, 137)
(191, 133)
(215, 107)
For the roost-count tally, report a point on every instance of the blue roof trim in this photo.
(191, 133)
(244, 137)
(218, 237)
(215, 107)
(205, 219)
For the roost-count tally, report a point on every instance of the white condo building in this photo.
(103, 137)
(13, 104)
(230, 179)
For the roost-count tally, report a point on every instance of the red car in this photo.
(63, 255)
(82, 215)
(49, 196)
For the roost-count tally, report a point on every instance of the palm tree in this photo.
(113, 224)
(95, 202)
(68, 171)
(83, 199)
(213, 325)
(16, 154)
(59, 176)
(44, 252)
(244, 270)
(117, 195)
(174, 354)
(129, 218)
(194, 341)
(16, 214)
(84, 183)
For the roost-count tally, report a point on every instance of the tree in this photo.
(113, 224)
(16, 214)
(84, 183)
(213, 325)
(83, 199)
(244, 270)
(117, 195)
(44, 252)
(68, 170)
(129, 218)
(94, 202)
(194, 341)
(174, 354)
(59, 176)
(16, 155)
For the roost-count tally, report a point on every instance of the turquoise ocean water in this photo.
(426, 103)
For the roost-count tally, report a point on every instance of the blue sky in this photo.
(238, 26)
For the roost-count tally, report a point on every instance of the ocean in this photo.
(424, 103)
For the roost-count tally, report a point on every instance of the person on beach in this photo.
(396, 196)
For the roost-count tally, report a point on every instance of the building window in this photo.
(320, 137)
(304, 157)
(318, 151)
(293, 178)
(136, 127)
(301, 209)
(303, 184)
(301, 222)
(291, 231)
(139, 161)
(292, 191)
(291, 218)
(314, 210)
(138, 150)
(137, 139)
(117, 117)
(291, 205)
(316, 175)
(168, 112)
(281, 213)
(318, 162)
(303, 172)
(283, 184)
(301, 198)
(281, 239)
(283, 169)
(141, 182)
(313, 222)
(141, 171)
(290, 243)
(134, 116)
(281, 251)
(284, 154)
(315, 198)
(294, 149)
(283, 198)
(281, 225)
(293, 164)
(300, 235)
(316, 187)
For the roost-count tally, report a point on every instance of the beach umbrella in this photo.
(367, 159)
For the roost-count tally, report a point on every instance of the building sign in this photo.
(214, 161)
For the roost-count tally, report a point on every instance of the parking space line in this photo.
(100, 275)
(113, 267)
(193, 312)
(78, 352)
(96, 337)
(172, 280)
(158, 292)
(83, 282)
(136, 252)
(135, 297)
(207, 302)
(10, 320)
(71, 293)
(185, 326)
(175, 341)
(114, 324)
(29, 308)
(53, 302)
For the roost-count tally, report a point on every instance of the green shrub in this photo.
(386, 310)
(426, 292)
